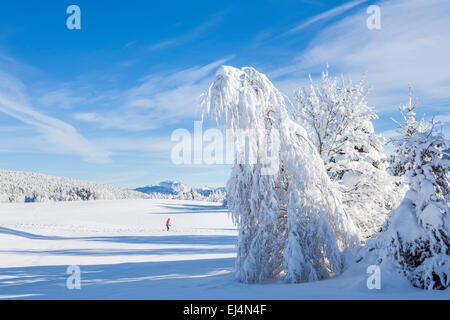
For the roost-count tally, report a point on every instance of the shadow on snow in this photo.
(169, 239)
(138, 280)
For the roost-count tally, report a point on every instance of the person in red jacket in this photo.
(168, 224)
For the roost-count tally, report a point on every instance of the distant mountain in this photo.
(165, 187)
(33, 187)
(179, 190)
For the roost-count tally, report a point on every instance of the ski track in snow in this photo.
(125, 253)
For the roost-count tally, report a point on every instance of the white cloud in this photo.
(154, 146)
(62, 98)
(444, 118)
(326, 15)
(161, 98)
(412, 48)
(55, 135)
(192, 35)
(86, 116)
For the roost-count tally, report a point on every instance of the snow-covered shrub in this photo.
(339, 122)
(291, 224)
(416, 237)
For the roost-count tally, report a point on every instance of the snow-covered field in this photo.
(124, 253)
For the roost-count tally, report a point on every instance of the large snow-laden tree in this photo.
(416, 237)
(339, 122)
(291, 224)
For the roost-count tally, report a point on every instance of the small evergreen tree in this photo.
(417, 234)
(399, 159)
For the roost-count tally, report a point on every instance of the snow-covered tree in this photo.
(416, 237)
(217, 196)
(339, 122)
(399, 159)
(336, 114)
(33, 187)
(291, 223)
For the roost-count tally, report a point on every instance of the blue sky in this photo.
(100, 103)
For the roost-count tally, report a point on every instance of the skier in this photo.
(168, 224)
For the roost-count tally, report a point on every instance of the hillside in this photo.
(33, 187)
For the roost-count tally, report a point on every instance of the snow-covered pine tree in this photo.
(399, 159)
(416, 237)
(339, 122)
(290, 222)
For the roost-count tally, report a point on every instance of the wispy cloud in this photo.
(63, 98)
(444, 118)
(412, 48)
(161, 98)
(158, 146)
(196, 33)
(54, 135)
(325, 15)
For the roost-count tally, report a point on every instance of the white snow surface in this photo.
(124, 253)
